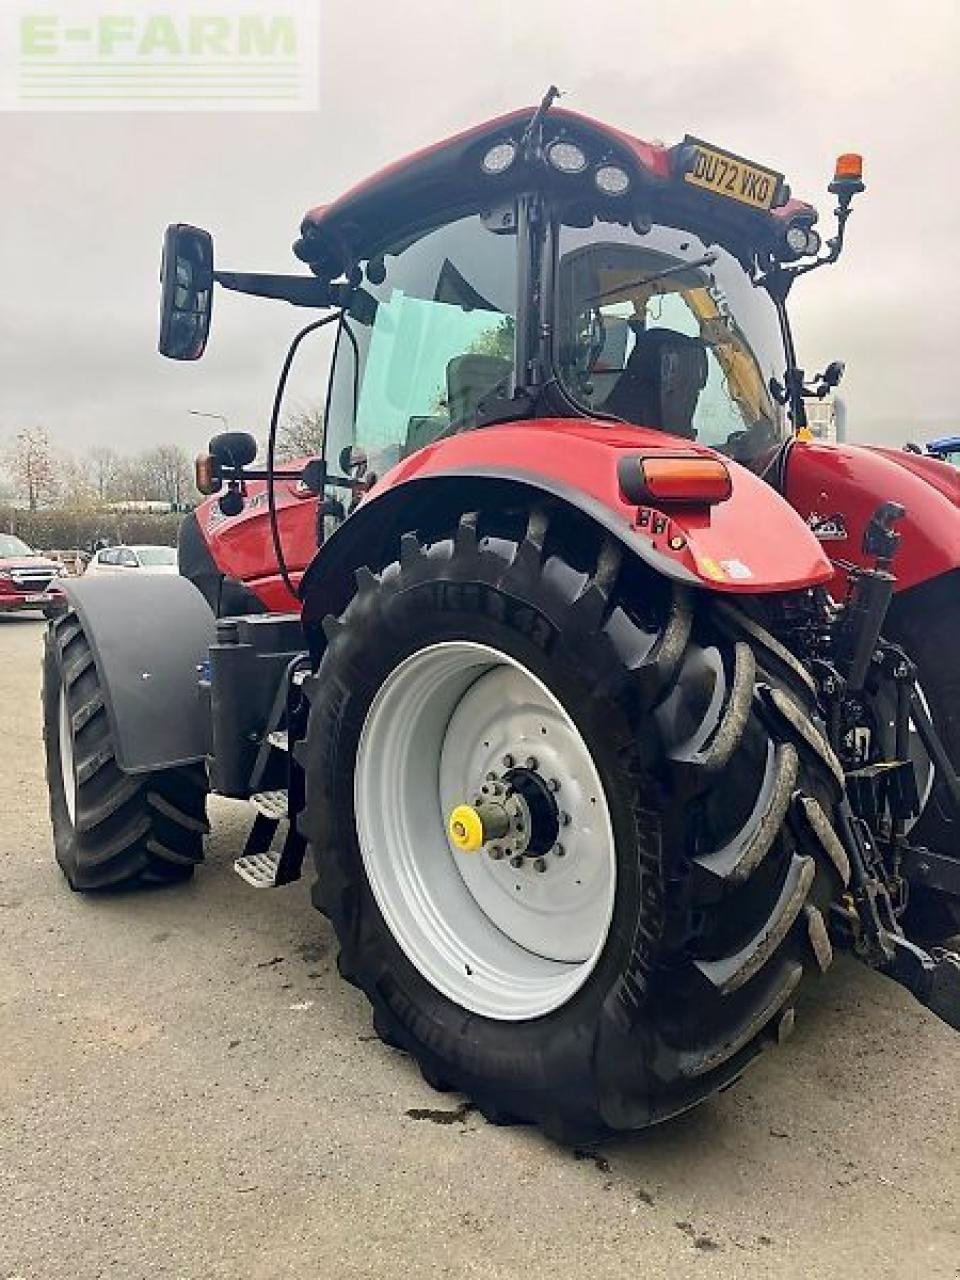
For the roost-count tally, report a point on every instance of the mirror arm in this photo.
(301, 291)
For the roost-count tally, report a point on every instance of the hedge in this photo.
(67, 530)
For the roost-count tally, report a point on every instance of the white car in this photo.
(115, 560)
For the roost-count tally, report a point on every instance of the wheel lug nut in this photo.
(491, 777)
(540, 865)
(553, 784)
(517, 860)
(564, 819)
(531, 763)
(559, 850)
(508, 761)
(496, 853)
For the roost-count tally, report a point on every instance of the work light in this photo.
(499, 158)
(567, 157)
(611, 180)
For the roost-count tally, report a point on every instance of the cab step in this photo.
(271, 804)
(259, 870)
(261, 865)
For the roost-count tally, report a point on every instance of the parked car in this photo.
(28, 580)
(121, 559)
(73, 559)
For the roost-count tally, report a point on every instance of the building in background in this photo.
(827, 418)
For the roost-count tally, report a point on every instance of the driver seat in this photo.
(661, 382)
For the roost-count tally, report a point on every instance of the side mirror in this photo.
(186, 292)
(833, 373)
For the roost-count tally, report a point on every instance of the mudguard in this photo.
(751, 543)
(148, 635)
(836, 488)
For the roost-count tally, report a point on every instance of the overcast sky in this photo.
(86, 197)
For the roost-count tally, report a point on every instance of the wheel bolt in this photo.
(564, 819)
(517, 860)
(491, 777)
(559, 850)
(508, 761)
(496, 853)
(531, 763)
(553, 784)
(539, 865)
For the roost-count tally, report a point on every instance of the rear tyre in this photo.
(643, 967)
(926, 623)
(109, 828)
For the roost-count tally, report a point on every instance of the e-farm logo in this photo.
(159, 55)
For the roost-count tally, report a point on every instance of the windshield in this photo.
(152, 556)
(649, 332)
(429, 337)
(11, 546)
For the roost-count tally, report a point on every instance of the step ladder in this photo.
(262, 865)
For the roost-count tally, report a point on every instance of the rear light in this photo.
(674, 478)
(207, 474)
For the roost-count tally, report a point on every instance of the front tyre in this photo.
(635, 928)
(109, 828)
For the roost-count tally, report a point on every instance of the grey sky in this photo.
(86, 197)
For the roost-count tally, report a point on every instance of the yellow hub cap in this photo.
(466, 829)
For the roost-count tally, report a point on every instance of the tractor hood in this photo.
(838, 487)
(944, 478)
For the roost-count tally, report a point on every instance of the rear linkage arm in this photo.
(933, 978)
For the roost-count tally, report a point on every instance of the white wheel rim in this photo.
(67, 770)
(443, 720)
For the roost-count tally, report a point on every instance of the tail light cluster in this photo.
(678, 478)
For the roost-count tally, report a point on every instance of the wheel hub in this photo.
(514, 815)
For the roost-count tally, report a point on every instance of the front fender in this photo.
(836, 488)
(148, 635)
(752, 543)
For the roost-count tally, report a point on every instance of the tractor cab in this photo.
(546, 266)
(583, 275)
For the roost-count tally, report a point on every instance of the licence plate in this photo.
(731, 176)
(38, 597)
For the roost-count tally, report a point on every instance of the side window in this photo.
(433, 331)
(127, 559)
(109, 556)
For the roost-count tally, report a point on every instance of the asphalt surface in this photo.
(188, 1090)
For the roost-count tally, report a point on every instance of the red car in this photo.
(28, 580)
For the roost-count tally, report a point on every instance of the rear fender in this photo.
(149, 636)
(837, 488)
(751, 544)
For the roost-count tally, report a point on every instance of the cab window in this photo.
(428, 340)
(664, 331)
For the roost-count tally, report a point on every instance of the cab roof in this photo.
(445, 178)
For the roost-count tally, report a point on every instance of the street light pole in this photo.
(199, 413)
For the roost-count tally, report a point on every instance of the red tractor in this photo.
(607, 704)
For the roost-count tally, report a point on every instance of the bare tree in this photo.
(102, 463)
(31, 463)
(170, 474)
(76, 489)
(300, 434)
